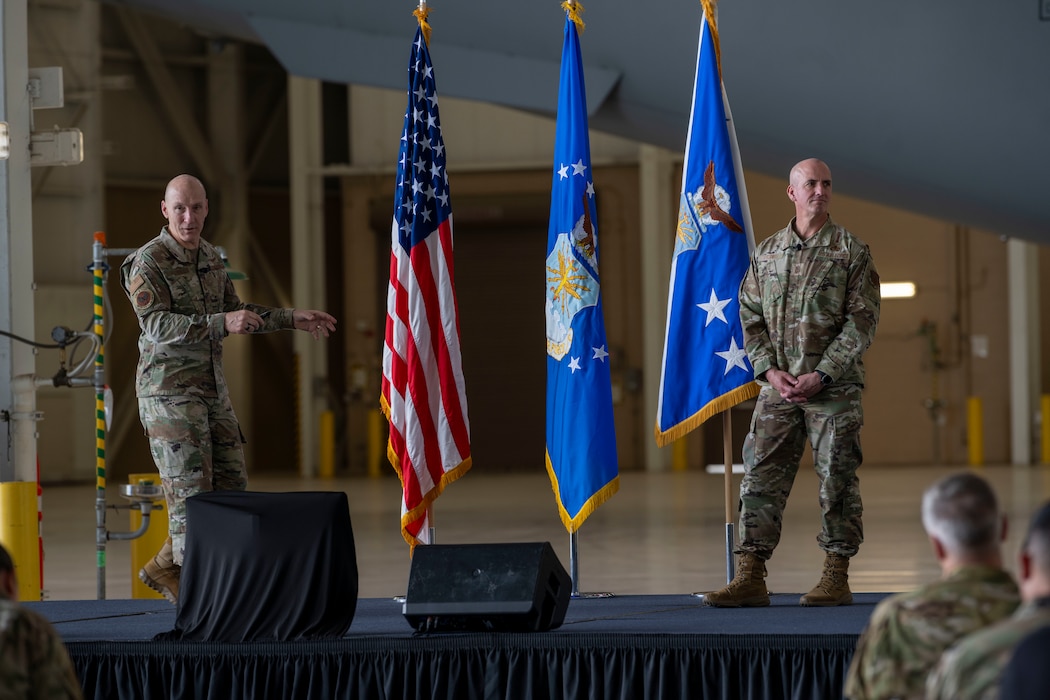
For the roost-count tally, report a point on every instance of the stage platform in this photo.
(625, 647)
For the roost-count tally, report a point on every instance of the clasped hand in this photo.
(795, 389)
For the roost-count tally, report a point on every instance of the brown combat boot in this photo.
(746, 590)
(161, 573)
(833, 587)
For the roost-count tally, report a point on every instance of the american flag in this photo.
(423, 393)
(705, 368)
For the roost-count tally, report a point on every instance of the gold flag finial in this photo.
(421, 14)
(574, 9)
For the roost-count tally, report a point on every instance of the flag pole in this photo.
(574, 570)
(727, 459)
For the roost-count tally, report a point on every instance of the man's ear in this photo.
(8, 585)
(1026, 565)
(939, 549)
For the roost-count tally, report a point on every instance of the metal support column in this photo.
(229, 220)
(1023, 294)
(308, 275)
(17, 447)
(656, 175)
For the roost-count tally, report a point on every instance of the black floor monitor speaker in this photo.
(267, 566)
(512, 587)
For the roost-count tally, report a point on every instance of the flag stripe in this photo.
(423, 392)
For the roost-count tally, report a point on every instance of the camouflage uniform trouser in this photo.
(196, 444)
(772, 450)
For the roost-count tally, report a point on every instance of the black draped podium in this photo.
(266, 567)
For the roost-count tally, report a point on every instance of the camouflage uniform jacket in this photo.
(971, 668)
(33, 661)
(808, 305)
(908, 632)
(181, 297)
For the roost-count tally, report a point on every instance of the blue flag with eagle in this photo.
(705, 368)
(581, 437)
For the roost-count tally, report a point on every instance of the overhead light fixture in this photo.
(5, 141)
(898, 290)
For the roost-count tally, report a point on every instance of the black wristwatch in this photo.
(824, 379)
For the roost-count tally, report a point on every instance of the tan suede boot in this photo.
(746, 590)
(161, 573)
(833, 587)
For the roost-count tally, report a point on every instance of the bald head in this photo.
(185, 206)
(809, 187)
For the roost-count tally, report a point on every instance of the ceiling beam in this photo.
(167, 91)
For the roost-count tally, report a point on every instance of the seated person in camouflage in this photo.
(1027, 675)
(908, 632)
(33, 660)
(972, 668)
(186, 306)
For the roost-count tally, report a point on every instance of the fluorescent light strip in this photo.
(898, 290)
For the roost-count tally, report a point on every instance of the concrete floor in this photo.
(661, 533)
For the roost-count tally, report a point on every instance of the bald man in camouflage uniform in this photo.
(908, 632)
(971, 670)
(33, 661)
(809, 305)
(186, 307)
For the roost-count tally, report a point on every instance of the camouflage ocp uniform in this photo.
(807, 305)
(971, 669)
(33, 661)
(181, 297)
(908, 632)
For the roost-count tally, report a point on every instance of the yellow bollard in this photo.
(1044, 402)
(20, 534)
(680, 455)
(143, 548)
(975, 431)
(326, 448)
(375, 441)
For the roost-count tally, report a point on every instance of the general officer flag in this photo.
(581, 437)
(705, 367)
(423, 393)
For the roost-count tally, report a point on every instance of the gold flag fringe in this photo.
(709, 12)
(421, 13)
(601, 496)
(574, 8)
(713, 408)
(429, 497)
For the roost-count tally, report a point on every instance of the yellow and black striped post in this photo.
(98, 268)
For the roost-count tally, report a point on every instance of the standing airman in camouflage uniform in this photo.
(908, 632)
(809, 305)
(186, 306)
(33, 661)
(972, 668)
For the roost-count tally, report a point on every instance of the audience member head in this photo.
(962, 519)
(8, 580)
(1035, 556)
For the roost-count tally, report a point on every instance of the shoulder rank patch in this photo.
(144, 299)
